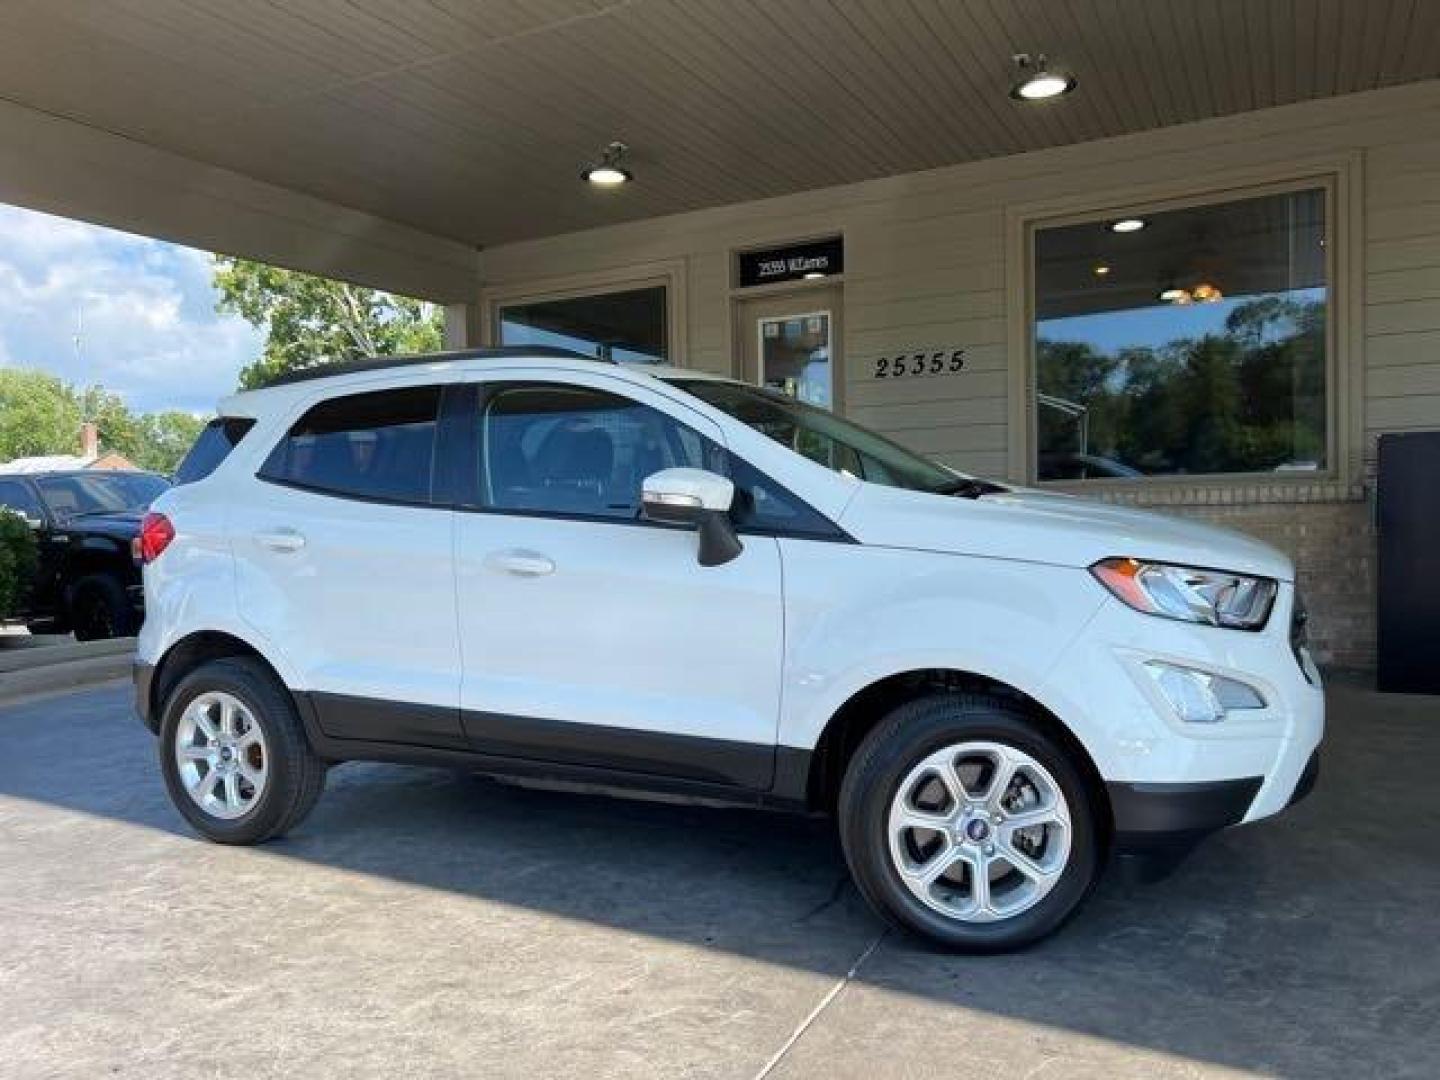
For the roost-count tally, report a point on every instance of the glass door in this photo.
(791, 344)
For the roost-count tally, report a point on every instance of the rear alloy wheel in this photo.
(966, 823)
(221, 755)
(234, 753)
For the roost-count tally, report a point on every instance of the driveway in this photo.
(431, 925)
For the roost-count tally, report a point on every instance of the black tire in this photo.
(99, 609)
(896, 745)
(296, 775)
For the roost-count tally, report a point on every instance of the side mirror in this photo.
(699, 499)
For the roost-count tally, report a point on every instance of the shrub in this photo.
(17, 562)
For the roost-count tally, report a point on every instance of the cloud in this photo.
(143, 311)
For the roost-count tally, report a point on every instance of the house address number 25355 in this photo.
(912, 365)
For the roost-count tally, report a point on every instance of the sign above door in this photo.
(798, 262)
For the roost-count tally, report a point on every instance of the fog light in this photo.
(1199, 697)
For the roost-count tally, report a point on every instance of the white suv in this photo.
(524, 563)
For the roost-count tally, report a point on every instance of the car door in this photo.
(590, 636)
(344, 560)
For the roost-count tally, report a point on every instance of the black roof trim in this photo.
(380, 363)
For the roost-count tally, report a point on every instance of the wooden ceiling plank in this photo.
(915, 94)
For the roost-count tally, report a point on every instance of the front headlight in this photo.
(1188, 593)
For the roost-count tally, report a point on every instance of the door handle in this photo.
(521, 563)
(281, 540)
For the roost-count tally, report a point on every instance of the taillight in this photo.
(156, 532)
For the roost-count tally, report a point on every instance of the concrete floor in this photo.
(427, 925)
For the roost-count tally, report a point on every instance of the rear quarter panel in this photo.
(190, 588)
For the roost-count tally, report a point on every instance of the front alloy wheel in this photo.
(964, 820)
(979, 831)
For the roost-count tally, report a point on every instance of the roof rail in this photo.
(380, 363)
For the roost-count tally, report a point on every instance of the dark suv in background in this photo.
(88, 581)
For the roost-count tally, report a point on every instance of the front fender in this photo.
(856, 614)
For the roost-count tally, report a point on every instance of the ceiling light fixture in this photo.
(1129, 224)
(1101, 270)
(1035, 81)
(608, 172)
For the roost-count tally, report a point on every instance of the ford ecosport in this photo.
(524, 563)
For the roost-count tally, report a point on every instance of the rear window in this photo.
(379, 445)
(219, 437)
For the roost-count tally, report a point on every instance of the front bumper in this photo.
(1171, 782)
(1158, 825)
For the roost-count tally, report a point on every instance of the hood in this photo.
(1062, 530)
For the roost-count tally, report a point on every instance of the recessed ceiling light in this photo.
(1036, 82)
(1129, 224)
(1101, 270)
(608, 172)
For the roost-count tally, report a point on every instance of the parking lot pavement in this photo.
(429, 925)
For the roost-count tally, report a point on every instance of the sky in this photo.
(1158, 324)
(145, 311)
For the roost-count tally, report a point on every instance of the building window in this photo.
(629, 327)
(1191, 344)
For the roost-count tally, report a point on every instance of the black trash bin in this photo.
(1408, 597)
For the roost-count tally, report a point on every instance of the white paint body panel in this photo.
(616, 624)
(627, 630)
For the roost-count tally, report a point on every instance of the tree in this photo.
(119, 428)
(18, 560)
(165, 438)
(311, 320)
(39, 414)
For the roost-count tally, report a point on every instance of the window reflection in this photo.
(1194, 345)
(627, 327)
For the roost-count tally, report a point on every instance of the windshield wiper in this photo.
(968, 487)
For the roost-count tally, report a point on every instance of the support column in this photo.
(462, 326)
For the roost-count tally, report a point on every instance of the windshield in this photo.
(99, 493)
(825, 438)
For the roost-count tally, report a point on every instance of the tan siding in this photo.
(1397, 285)
(1409, 413)
(1402, 349)
(925, 254)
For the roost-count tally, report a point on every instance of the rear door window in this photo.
(213, 446)
(378, 445)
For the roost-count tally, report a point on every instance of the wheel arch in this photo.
(867, 706)
(189, 652)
